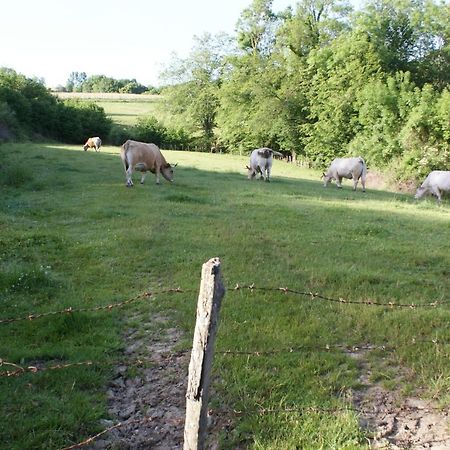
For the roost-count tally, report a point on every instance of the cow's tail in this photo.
(123, 154)
(364, 168)
(277, 153)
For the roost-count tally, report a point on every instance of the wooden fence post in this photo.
(208, 306)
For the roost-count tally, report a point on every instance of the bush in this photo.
(29, 110)
(119, 134)
(148, 129)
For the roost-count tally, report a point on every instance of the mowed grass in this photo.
(123, 109)
(73, 236)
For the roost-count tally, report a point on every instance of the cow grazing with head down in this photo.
(351, 168)
(436, 183)
(144, 158)
(93, 142)
(261, 160)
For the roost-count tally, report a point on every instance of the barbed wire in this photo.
(107, 430)
(277, 410)
(70, 310)
(21, 370)
(251, 287)
(317, 296)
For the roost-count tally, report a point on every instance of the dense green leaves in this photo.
(29, 110)
(323, 81)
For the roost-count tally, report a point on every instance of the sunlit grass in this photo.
(72, 235)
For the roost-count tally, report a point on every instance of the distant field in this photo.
(123, 109)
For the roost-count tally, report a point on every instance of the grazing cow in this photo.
(261, 162)
(346, 168)
(143, 158)
(93, 142)
(436, 183)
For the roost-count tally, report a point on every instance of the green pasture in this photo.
(123, 109)
(72, 235)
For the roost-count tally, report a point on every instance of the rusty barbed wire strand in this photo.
(20, 370)
(316, 295)
(140, 361)
(107, 430)
(109, 307)
(237, 287)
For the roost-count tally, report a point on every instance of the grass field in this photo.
(123, 109)
(73, 236)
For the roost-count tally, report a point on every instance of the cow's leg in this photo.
(435, 191)
(363, 183)
(355, 183)
(157, 175)
(339, 182)
(129, 172)
(268, 174)
(143, 175)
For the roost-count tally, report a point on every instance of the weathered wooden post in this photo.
(208, 306)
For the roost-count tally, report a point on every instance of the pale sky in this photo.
(121, 39)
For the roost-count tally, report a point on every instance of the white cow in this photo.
(261, 162)
(436, 183)
(346, 168)
(143, 158)
(93, 142)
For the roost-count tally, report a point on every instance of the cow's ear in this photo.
(323, 175)
(248, 168)
(175, 165)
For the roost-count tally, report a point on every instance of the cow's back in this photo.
(438, 178)
(142, 152)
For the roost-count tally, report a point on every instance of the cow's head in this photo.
(167, 171)
(326, 179)
(251, 172)
(85, 147)
(421, 191)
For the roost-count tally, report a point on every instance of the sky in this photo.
(49, 39)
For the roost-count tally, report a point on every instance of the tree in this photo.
(255, 27)
(76, 81)
(410, 35)
(192, 95)
(316, 23)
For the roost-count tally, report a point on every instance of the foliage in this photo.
(80, 82)
(322, 81)
(29, 110)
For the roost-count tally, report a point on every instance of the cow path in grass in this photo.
(151, 385)
(398, 422)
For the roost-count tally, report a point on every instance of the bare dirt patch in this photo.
(150, 396)
(395, 421)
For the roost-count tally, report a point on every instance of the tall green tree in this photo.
(192, 94)
(410, 35)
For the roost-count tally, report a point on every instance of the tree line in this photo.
(80, 82)
(321, 80)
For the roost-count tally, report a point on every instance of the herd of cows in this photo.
(144, 158)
